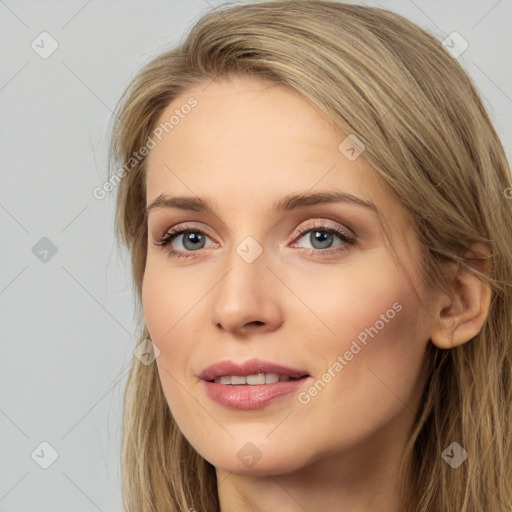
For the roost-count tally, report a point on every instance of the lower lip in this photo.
(251, 397)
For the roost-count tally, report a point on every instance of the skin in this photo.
(246, 144)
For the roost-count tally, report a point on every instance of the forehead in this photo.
(240, 118)
(246, 128)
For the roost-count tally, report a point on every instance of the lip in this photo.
(247, 397)
(252, 367)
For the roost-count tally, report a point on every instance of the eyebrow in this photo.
(285, 204)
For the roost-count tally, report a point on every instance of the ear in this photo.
(461, 316)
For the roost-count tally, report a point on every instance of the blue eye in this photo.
(193, 240)
(323, 237)
(320, 237)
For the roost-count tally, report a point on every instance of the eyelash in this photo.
(173, 233)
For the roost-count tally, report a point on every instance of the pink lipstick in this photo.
(252, 384)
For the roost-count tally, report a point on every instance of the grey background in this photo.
(67, 323)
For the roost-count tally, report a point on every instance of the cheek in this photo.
(168, 310)
(169, 306)
(156, 299)
(384, 378)
(385, 318)
(377, 327)
(175, 309)
(166, 302)
(359, 304)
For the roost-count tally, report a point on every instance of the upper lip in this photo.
(252, 367)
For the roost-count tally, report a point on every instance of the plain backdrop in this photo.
(67, 312)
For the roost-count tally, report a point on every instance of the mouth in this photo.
(251, 385)
(255, 380)
(253, 372)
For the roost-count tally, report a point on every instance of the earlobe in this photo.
(442, 335)
(461, 316)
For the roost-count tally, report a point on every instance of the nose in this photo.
(246, 299)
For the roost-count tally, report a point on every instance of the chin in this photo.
(256, 462)
(274, 468)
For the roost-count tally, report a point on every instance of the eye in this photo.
(192, 239)
(322, 237)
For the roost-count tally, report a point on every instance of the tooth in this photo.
(252, 380)
(256, 379)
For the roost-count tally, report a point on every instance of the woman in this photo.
(321, 240)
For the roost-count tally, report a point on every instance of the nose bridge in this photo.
(245, 294)
(246, 267)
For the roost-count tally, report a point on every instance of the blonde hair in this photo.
(375, 74)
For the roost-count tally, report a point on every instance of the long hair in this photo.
(375, 74)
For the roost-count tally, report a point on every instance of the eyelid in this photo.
(176, 231)
(321, 224)
(308, 226)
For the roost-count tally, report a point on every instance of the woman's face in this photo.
(302, 294)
